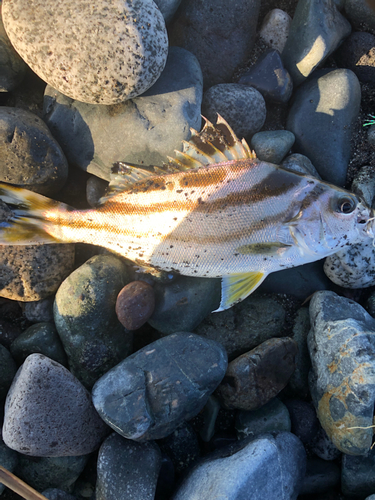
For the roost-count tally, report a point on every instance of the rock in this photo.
(8, 459)
(219, 46)
(93, 338)
(272, 145)
(359, 12)
(269, 76)
(245, 325)
(316, 31)
(8, 332)
(268, 467)
(323, 113)
(166, 479)
(257, 376)
(44, 391)
(364, 184)
(24, 275)
(40, 311)
(241, 106)
(127, 470)
(103, 55)
(12, 67)
(341, 345)
(181, 446)
(140, 131)
(273, 416)
(150, 393)
(209, 413)
(358, 474)
(298, 383)
(95, 189)
(275, 29)
(168, 8)
(357, 53)
(305, 424)
(323, 447)
(31, 157)
(135, 304)
(300, 163)
(320, 476)
(56, 494)
(39, 338)
(8, 370)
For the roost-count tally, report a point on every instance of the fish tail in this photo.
(23, 216)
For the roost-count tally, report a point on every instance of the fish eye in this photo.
(346, 205)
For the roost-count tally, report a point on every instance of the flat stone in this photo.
(44, 391)
(150, 393)
(103, 55)
(272, 145)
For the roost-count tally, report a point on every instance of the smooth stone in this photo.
(135, 304)
(168, 8)
(24, 275)
(8, 331)
(39, 338)
(370, 304)
(256, 377)
(358, 474)
(359, 12)
(95, 189)
(40, 311)
(246, 325)
(219, 34)
(323, 447)
(305, 424)
(301, 164)
(323, 113)
(8, 460)
(141, 131)
(273, 416)
(269, 467)
(8, 369)
(85, 317)
(209, 413)
(12, 67)
(101, 56)
(127, 470)
(364, 184)
(57, 494)
(241, 106)
(272, 145)
(275, 29)
(184, 303)
(357, 53)
(44, 391)
(320, 476)
(317, 29)
(182, 446)
(32, 158)
(50, 472)
(269, 77)
(150, 393)
(298, 385)
(166, 479)
(342, 346)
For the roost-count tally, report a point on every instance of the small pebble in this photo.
(135, 304)
(8, 370)
(323, 447)
(272, 146)
(40, 311)
(8, 332)
(301, 164)
(275, 29)
(305, 424)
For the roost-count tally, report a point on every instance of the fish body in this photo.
(238, 219)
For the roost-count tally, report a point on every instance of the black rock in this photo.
(182, 446)
(357, 53)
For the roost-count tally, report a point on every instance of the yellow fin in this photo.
(236, 287)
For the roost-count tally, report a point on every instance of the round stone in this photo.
(135, 304)
(100, 53)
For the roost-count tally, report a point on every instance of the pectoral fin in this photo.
(237, 287)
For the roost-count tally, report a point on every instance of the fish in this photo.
(214, 210)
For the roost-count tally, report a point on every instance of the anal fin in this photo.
(236, 287)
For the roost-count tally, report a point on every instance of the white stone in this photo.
(275, 29)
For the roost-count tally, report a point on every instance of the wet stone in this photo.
(135, 304)
(150, 393)
(254, 378)
(8, 370)
(272, 146)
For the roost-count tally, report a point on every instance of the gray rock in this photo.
(57, 494)
(40, 311)
(127, 470)
(269, 467)
(316, 31)
(168, 8)
(300, 163)
(103, 55)
(342, 383)
(181, 446)
(357, 53)
(275, 29)
(241, 106)
(272, 145)
(44, 391)
(320, 476)
(323, 113)
(8, 459)
(150, 393)
(273, 416)
(12, 67)
(359, 12)
(364, 184)
(358, 474)
(209, 414)
(142, 131)
(8, 370)
(93, 338)
(298, 383)
(323, 447)
(305, 424)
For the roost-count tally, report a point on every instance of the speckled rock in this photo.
(8, 370)
(103, 55)
(275, 29)
(256, 377)
(358, 474)
(342, 382)
(272, 145)
(8, 459)
(357, 53)
(241, 106)
(44, 391)
(31, 157)
(24, 275)
(93, 338)
(12, 67)
(359, 12)
(135, 304)
(141, 131)
(127, 470)
(150, 393)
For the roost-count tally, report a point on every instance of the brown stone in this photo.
(135, 304)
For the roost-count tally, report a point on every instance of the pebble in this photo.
(241, 106)
(135, 304)
(300, 163)
(168, 8)
(44, 391)
(268, 467)
(8, 370)
(269, 76)
(166, 479)
(8, 332)
(357, 53)
(12, 67)
(150, 393)
(40, 311)
(57, 494)
(31, 157)
(210, 413)
(256, 377)
(313, 37)
(8, 459)
(323, 447)
(359, 12)
(272, 146)
(358, 474)
(219, 34)
(342, 381)
(323, 113)
(271, 417)
(182, 447)
(320, 476)
(101, 56)
(141, 131)
(39, 338)
(85, 317)
(305, 424)
(275, 29)
(127, 470)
